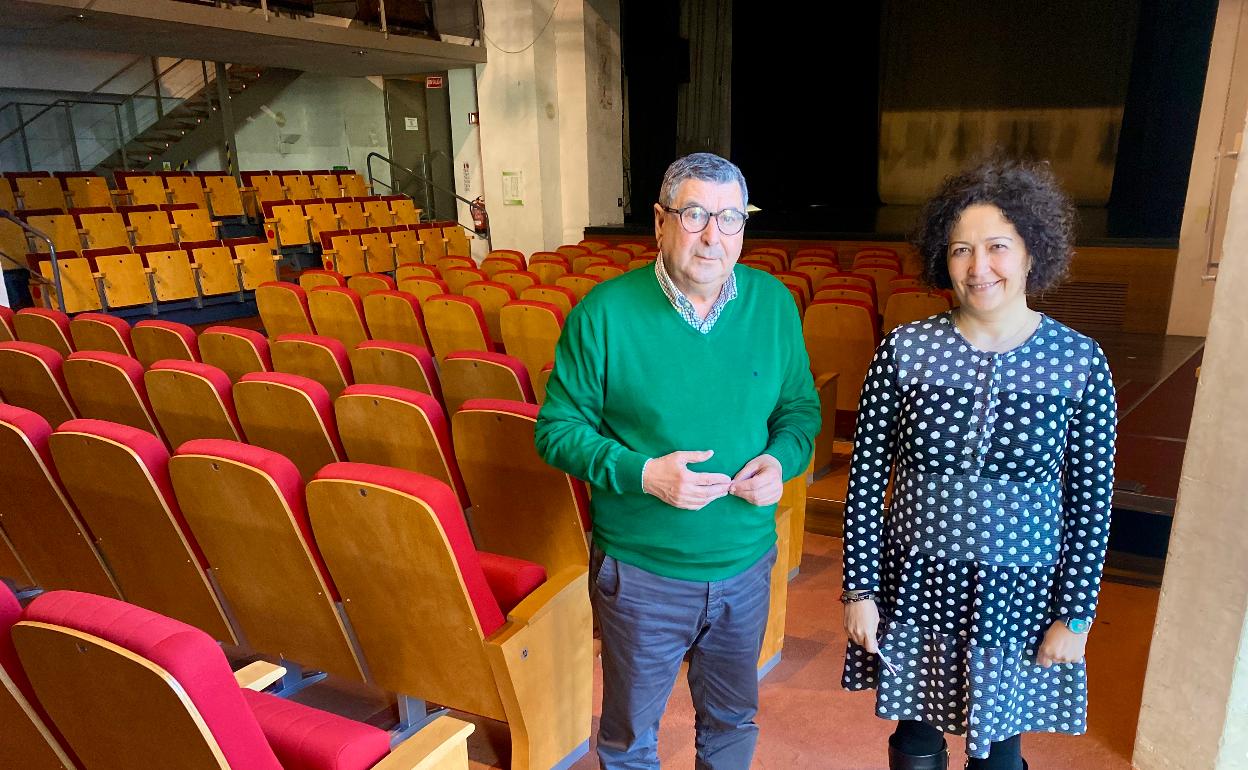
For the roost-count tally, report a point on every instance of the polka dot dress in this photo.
(1002, 468)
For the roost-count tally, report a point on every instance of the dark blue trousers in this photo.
(648, 624)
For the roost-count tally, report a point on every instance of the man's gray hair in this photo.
(705, 167)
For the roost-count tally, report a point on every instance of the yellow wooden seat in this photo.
(103, 229)
(578, 284)
(287, 223)
(148, 225)
(912, 304)
(367, 283)
(841, 338)
(106, 386)
(218, 271)
(321, 217)
(458, 276)
(583, 261)
(140, 188)
(186, 189)
(337, 312)
(817, 258)
(85, 189)
(378, 212)
(531, 331)
(406, 242)
(401, 364)
(353, 184)
(607, 272)
(278, 589)
(469, 374)
(491, 296)
(79, 287)
(619, 257)
(44, 327)
(633, 248)
(555, 295)
(343, 252)
(497, 456)
(32, 377)
(881, 276)
(773, 262)
(592, 245)
(350, 213)
(400, 553)
(432, 244)
(573, 251)
(123, 697)
(415, 270)
(235, 351)
(547, 271)
(317, 357)
(779, 252)
(38, 190)
(173, 274)
(311, 279)
(225, 199)
(379, 253)
(422, 288)
(518, 280)
(502, 259)
(457, 241)
(191, 401)
(326, 184)
(155, 340)
(450, 261)
(404, 209)
(298, 185)
(268, 187)
(61, 228)
(55, 547)
(290, 415)
(192, 222)
(99, 331)
(398, 428)
(396, 316)
(283, 309)
(256, 260)
(455, 323)
(114, 475)
(817, 272)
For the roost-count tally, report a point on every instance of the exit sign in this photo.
(433, 81)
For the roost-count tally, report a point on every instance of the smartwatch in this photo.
(1078, 625)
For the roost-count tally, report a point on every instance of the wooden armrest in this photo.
(437, 745)
(538, 603)
(259, 675)
(270, 221)
(824, 378)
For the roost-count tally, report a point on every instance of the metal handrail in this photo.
(56, 265)
(368, 162)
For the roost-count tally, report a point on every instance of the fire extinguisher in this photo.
(480, 220)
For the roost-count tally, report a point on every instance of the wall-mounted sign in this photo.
(433, 81)
(513, 188)
(411, 124)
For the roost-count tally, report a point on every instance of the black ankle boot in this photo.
(898, 760)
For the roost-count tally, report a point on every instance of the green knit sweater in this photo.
(633, 381)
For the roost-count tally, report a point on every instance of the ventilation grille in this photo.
(1085, 305)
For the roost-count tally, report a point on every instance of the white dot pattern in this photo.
(998, 524)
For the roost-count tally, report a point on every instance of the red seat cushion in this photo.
(423, 357)
(152, 453)
(315, 392)
(119, 325)
(516, 366)
(258, 341)
(441, 500)
(510, 579)
(219, 380)
(580, 492)
(284, 475)
(182, 330)
(335, 347)
(191, 656)
(306, 738)
(434, 413)
(50, 358)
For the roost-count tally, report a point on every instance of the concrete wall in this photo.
(466, 146)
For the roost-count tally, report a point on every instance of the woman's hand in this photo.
(1060, 645)
(862, 620)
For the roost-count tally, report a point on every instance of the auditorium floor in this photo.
(808, 721)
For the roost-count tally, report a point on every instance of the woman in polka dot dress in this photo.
(968, 602)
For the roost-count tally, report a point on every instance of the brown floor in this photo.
(808, 721)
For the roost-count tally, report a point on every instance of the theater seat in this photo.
(414, 589)
(32, 377)
(401, 364)
(547, 522)
(235, 351)
(164, 340)
(28, 740)
(55, 546)
(106, 386)
(283, 309)
(131, 688)
(395, 316)
(100, 331)
(274, 579)
(455, 323)
(338, 312)
(191, 401)
(398, 428)
(317, 357)
(118, 478)
(290, 415)
(7, 332)
(468, 374)
(531, 331)
(44, 327)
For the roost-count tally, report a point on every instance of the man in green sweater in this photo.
(696, 362)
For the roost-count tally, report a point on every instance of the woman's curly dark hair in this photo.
(1029, 196)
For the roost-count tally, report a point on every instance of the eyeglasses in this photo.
(695, 219)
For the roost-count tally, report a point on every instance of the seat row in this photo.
(300, 222)
(89, 681)
(382, 249)
(384, 552)
(212, 190)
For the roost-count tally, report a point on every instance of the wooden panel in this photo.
(283, 420)
(89, 191)
(378, 366)
(59, 227)
(230, 353)
(187, 407)
(125, 280)
(102, 391)
(155, 343)
(172, 274)
(26, 742)
(392, 433)
(258, 262)
(90, 334)
(282, 312)
(11, 566)
(187, 189)
(223, 196)
(32, 327)
(777, 610)
(393, 318)
(116, 709)
(452, 326)
(465, 378)
(218, 274)
(307, 359)
(26, 382)
(77, 283)
(336, 315)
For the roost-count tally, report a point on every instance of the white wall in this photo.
(317, 122)
(466, 146)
